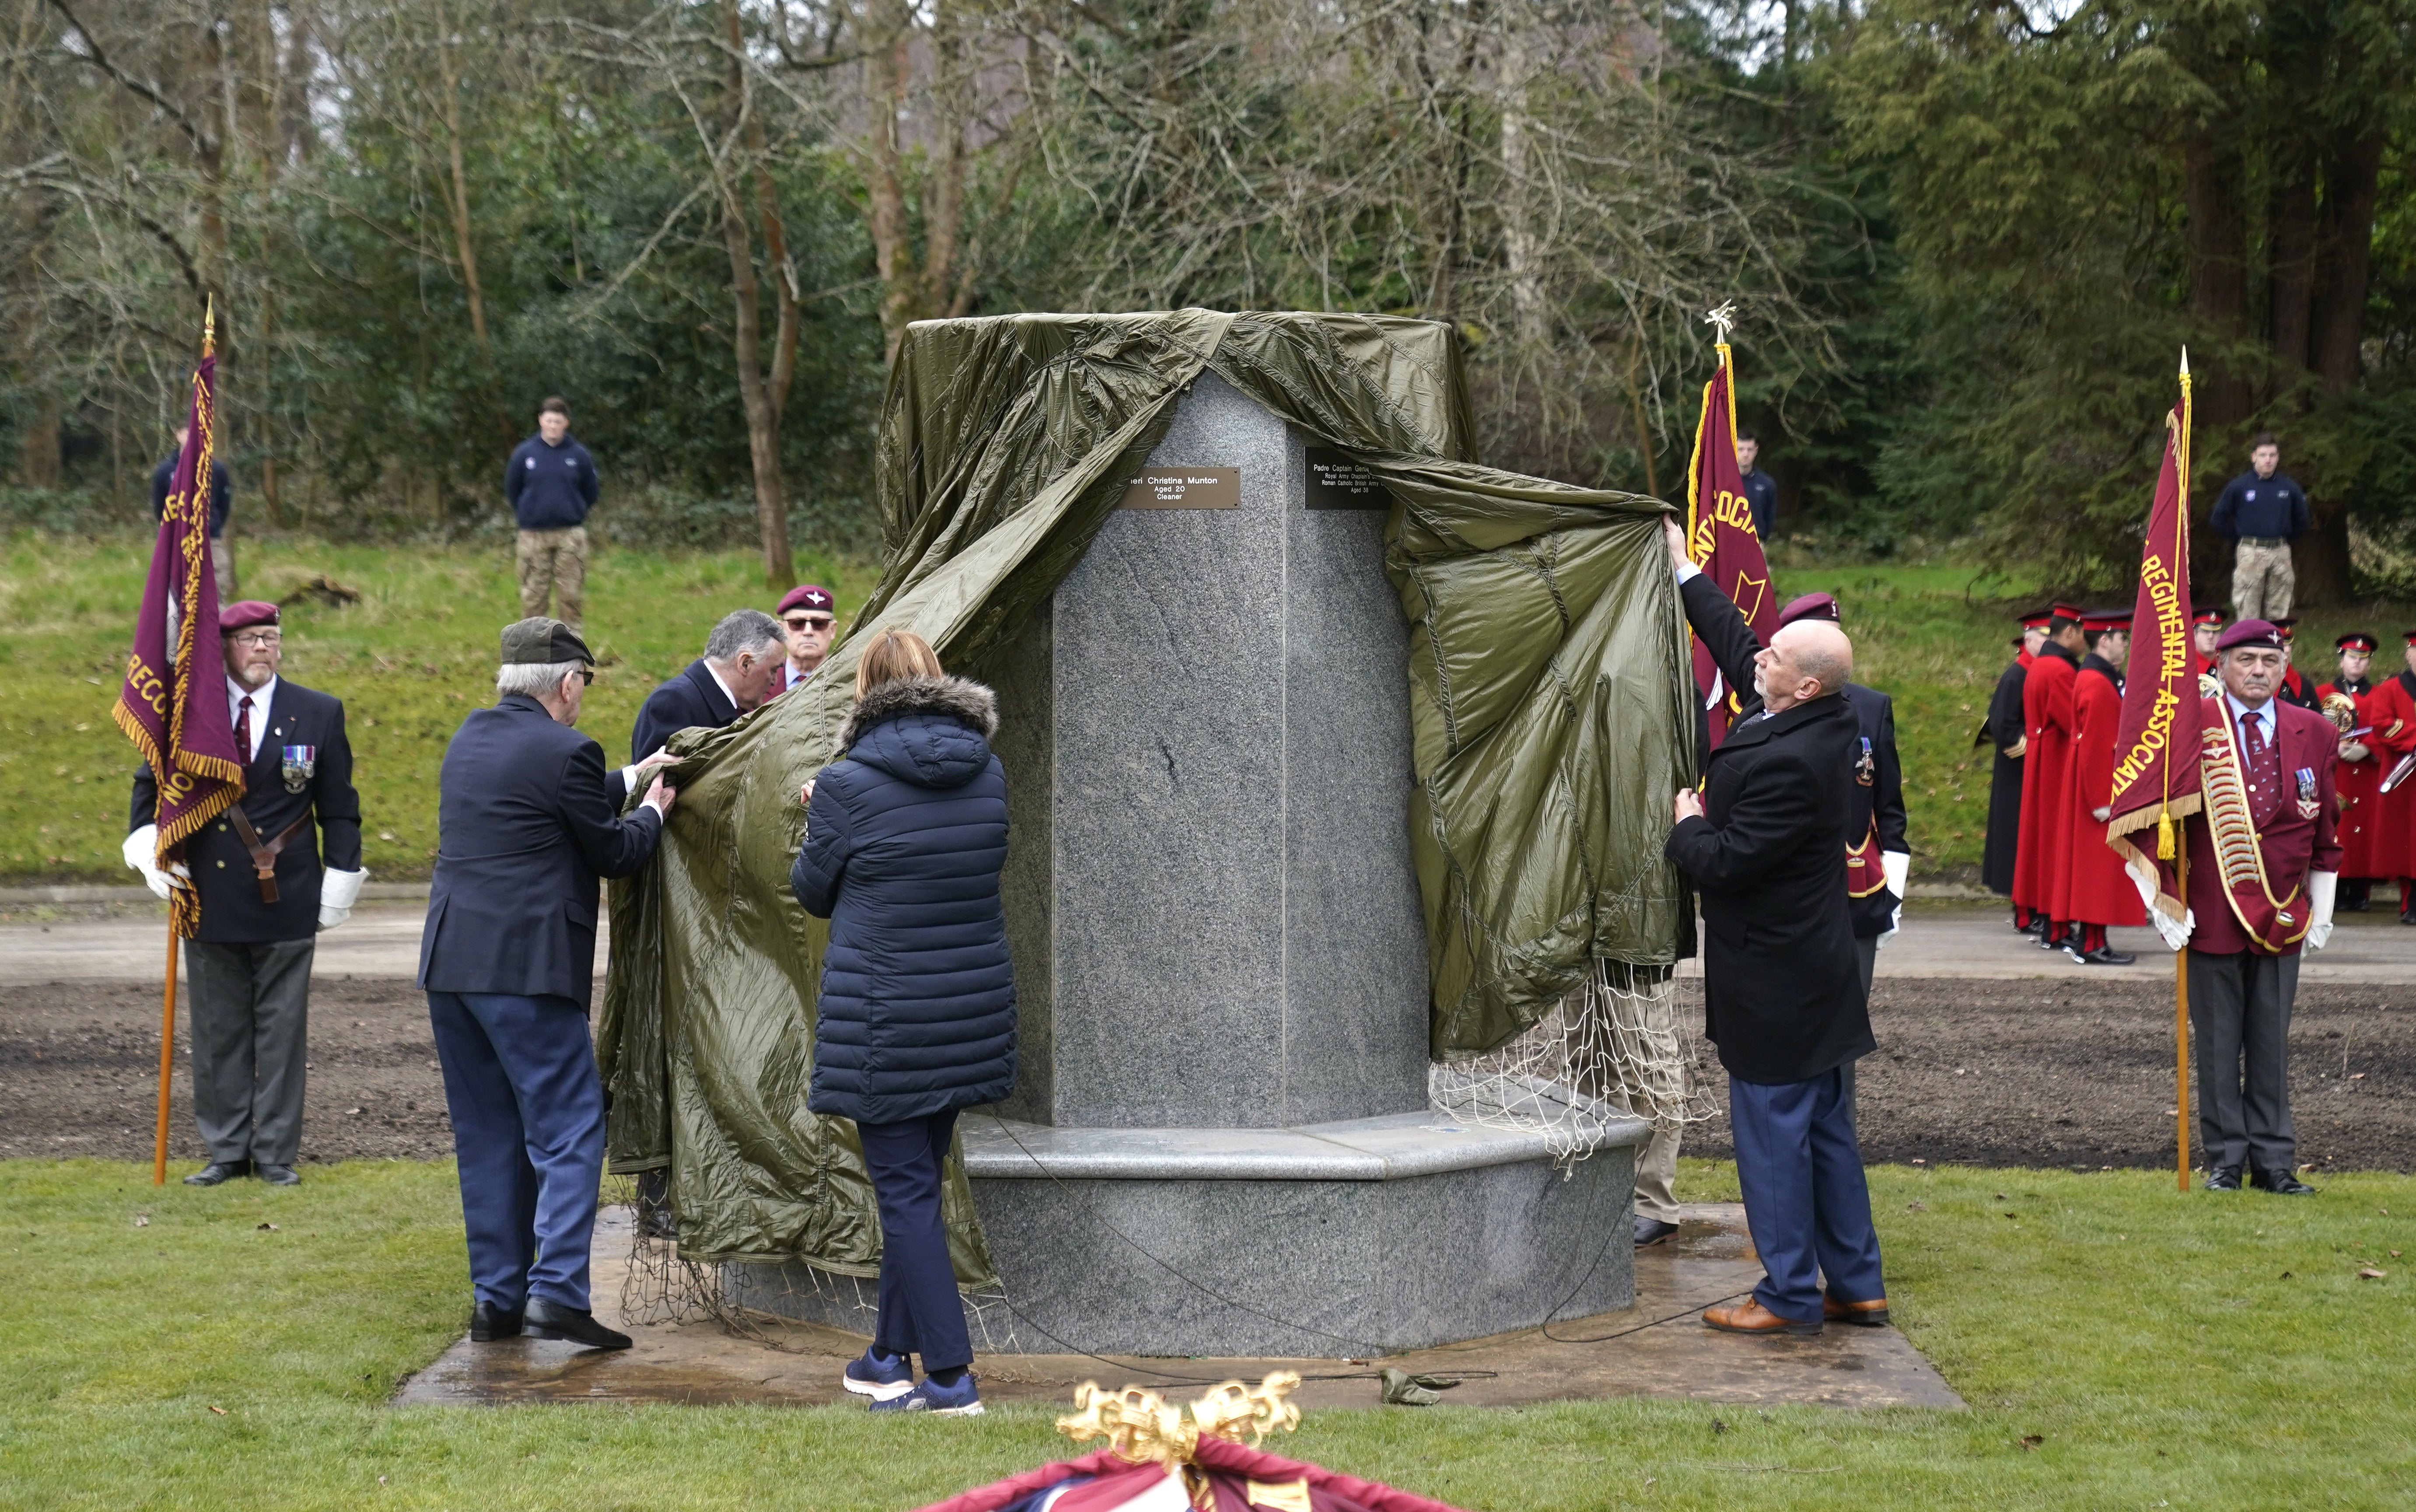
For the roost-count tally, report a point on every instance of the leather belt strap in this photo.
(264, 857)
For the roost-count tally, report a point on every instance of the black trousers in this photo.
(2239, 1010)
(920, 1311)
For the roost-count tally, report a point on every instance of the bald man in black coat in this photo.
(1783, 997)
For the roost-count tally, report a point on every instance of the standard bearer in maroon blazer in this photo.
(2265, 773)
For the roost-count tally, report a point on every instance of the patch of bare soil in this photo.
(80, 1067)
(2080, 1075)
(2011, 1073)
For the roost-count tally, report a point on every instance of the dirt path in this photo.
(2029, 1073)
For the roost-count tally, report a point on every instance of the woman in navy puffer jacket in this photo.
(905, 836)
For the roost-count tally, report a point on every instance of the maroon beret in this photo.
(2250, 632)
(811, 596)
(1810, 606)
(245, 614)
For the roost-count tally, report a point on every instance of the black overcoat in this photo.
(527, 819)
(2003, 731)
(319, 783)
(1782, 982)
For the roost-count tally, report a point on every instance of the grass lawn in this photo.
(418, 651)
(2151, 1344)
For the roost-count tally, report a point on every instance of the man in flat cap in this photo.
(527, 820)
(811, 617)
(2263, 858)
(267, 888)
(2358, 774)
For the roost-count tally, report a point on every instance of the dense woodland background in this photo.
(1966, 241)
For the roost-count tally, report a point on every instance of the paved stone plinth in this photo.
(1360, 1237)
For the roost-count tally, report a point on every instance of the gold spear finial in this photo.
(209, 323)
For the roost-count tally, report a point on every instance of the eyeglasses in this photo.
(810, 622)
(260, 638)
(587, 678)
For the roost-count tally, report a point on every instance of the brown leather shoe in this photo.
(1751, 1316)
(1871, 1314)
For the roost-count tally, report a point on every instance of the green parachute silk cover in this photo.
(1548, 689)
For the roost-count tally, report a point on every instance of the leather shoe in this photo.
(1751, 1316)
(541, 1319)
(1871, 1314)
(1652, 1230)
(279, 1176)
(2280, 1183)
(489, 1322)
(219, 1170)
(2223, 1179)
(2102, 956)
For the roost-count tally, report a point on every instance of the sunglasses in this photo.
(810, 622)
(587, 678)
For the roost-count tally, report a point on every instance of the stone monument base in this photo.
(1348, 1239)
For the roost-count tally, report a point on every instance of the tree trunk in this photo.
(885, 85)
(747, 343)
(2344, 263)
(460, 196)
(2347, 257)
(38, 464)
(2218, 296)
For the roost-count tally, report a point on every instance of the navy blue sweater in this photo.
(549, 487)
(222, 494)
(904, 842)
(2253, 506)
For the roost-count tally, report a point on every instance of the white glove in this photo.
(1897, 865)
(2176, 931)
(2319, 896)
(337, 892)
(140, 849)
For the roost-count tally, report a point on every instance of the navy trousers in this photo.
(1806, 1201)
(920, 1311)
(528, 1133)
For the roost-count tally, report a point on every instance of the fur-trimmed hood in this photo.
(933, 732)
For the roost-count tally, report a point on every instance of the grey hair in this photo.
(535, 679)
(743, 629)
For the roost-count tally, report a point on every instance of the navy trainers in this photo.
(959, 1401)
(881, 1377)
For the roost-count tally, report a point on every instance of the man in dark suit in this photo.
(265, 891)
(742, 662)
(527, 820)
(1765, 845)
(2266, 772)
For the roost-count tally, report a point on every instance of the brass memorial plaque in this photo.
(1336, 482)
(1185, 488)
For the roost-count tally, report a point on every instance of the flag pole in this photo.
(166, 1060)
(2181, 866)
